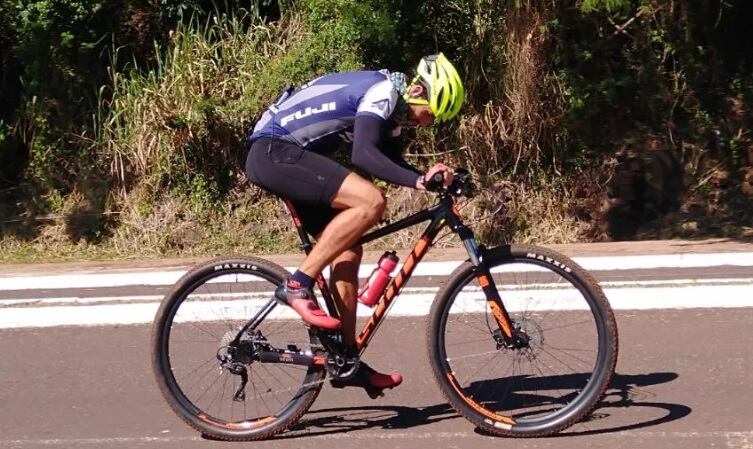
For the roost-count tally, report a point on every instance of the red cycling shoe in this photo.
(302, 300)
(372, 381)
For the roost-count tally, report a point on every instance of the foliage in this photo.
(137, 112)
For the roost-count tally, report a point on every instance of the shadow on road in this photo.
(625, 393)
(349, 419)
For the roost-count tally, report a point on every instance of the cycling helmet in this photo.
(444, 87)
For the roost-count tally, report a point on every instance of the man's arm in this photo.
(392, 147)
(368, 155)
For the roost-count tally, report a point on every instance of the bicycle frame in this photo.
(443, 214)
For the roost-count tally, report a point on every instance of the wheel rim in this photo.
(202, 323)
(543, 384)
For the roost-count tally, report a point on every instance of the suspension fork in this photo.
(483, 276)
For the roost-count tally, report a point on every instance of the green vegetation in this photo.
(123, 124)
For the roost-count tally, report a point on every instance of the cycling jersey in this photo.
(354, 107)
(328, 105)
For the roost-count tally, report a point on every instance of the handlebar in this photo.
(462, 183)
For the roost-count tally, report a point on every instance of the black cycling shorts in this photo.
(308, 179)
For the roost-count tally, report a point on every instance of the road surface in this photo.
(683, 377)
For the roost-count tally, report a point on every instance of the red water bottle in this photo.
(371, 291)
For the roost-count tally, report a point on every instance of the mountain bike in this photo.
(521, 340)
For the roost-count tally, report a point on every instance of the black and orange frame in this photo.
(443, 214)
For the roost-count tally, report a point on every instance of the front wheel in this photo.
(561, 371)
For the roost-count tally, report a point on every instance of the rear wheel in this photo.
(202, 360)
(552, 380)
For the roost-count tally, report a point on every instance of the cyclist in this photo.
(337, 206)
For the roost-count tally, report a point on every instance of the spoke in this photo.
(256, 395)
(285, 371)
(269, 391)
(209, 371)
(276, 378)
(220, 396)
(510, 382)
(483, 383)
(207, 388)
(559, 360)
(570, 355)
(194, 341)
(471, 355)
(201, 365)
(571, 349)
(560, 391)
(465, 323)
(261, 397)
(566, 325)
(214, 337)
(483, 366)
(467, 342)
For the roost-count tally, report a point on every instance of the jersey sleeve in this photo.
(367, 153)
(379, 101)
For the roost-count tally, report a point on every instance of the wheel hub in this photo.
(528, 337)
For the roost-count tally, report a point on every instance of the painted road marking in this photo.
(115, 299)
(423, 269)
(411, 303)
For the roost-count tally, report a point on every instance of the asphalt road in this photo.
(683, 378)
(683, 381)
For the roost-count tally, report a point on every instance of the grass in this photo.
(170, 143)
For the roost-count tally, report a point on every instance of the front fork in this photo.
(486, 281)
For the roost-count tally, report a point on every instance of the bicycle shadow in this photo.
(624, 392)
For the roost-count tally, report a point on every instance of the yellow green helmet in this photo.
(443, 84)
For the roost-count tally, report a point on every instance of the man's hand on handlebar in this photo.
(435, 172)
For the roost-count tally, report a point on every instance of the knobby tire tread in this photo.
(443, 297)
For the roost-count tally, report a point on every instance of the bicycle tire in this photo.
(208, 275)
(490, 414)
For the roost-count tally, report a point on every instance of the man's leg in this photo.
(344, 285)
(363, 205)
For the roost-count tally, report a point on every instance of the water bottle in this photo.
(371, 291)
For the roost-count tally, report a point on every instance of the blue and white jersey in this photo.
(328, 107)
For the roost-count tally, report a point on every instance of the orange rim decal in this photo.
(476, 406)
(238, 425)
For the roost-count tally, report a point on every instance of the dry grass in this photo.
(170, 132)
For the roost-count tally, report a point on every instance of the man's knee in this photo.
(375, 204)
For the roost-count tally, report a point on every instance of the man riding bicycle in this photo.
(337, 206)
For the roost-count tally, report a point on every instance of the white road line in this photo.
(423, 269)
(88, 300)
(415, 303)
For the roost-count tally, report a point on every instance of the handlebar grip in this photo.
(435, 183)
